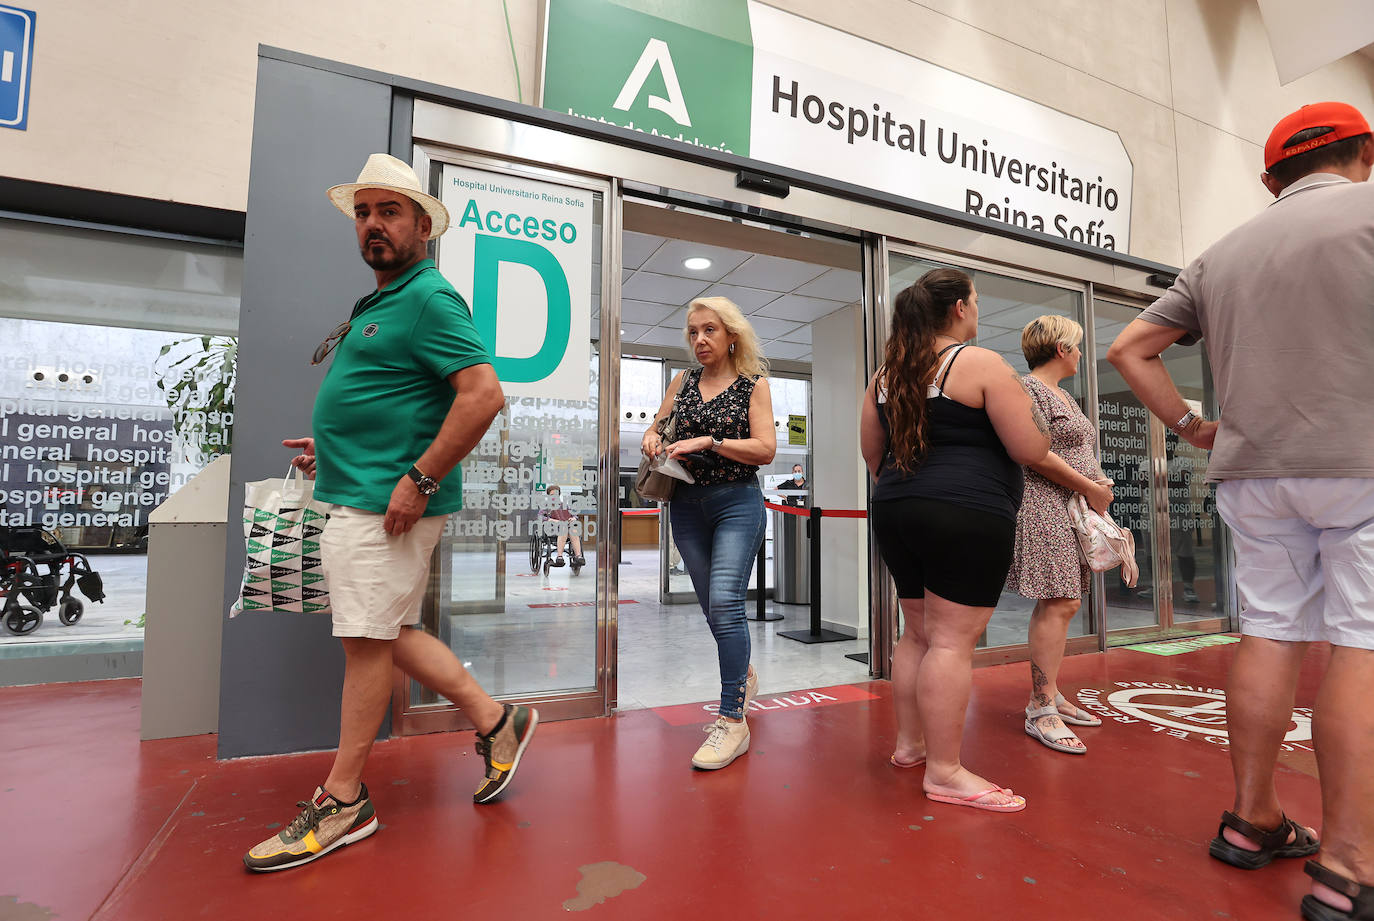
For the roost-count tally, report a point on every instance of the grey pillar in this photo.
(281, 675)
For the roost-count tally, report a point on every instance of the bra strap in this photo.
(943, 373)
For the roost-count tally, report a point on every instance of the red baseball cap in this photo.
(1344, 121)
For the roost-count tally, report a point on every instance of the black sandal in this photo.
(1272, 843)
(1314, 909)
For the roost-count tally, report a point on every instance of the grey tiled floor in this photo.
(668, 656)
(125, 578)
(666, 652)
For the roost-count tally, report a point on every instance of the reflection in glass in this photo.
(99, 425)
(1199, 583)
(1124, 430)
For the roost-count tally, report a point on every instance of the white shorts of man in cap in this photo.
(409, 391)
(1286, 302)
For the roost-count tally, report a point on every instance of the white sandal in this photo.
(1076, 720)
(1052, 737)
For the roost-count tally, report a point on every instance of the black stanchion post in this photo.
(815, 634)
(813, 531)
(761, 600)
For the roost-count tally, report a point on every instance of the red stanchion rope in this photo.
(639, 511)
(787, 509)
(825, 512)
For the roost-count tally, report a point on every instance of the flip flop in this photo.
(1076, 720)
(1051, 738)
(1361, 897)
(906, 764)
(1016, 805)
(1272, 843)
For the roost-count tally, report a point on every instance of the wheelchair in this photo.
(543, 550)
(37, 571)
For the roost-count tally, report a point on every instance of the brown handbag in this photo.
(651, 485)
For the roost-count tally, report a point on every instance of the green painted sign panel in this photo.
(1178, 647)
(680, 69)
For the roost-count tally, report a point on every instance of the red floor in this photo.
(812, 823)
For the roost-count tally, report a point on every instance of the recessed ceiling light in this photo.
(696, 263)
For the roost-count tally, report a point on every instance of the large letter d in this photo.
(489, 253)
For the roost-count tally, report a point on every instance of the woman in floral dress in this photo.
(1046, 564)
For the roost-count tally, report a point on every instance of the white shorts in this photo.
(376, 580)
(1304, 557)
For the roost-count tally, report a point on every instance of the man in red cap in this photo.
(1285, 303)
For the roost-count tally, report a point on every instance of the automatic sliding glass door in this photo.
(522, 583)
(1162, 496)
(1007, 303)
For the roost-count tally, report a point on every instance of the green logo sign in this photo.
(680, 69)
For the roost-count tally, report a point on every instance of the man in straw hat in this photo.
(410, 391)
(1286, 302)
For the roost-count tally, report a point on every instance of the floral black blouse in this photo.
(725, 415)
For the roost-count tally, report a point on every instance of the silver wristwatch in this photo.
(716, 443)
(1181, 425)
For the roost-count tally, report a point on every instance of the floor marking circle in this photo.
(1190, 711)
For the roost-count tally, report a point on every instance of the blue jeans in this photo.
(719, 529)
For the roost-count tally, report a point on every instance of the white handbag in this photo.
(1103, 543)
(283, 571)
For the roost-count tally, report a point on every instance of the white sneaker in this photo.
(725, 742)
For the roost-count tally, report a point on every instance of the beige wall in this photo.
(156, 98)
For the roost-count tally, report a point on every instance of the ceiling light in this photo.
(696, 263)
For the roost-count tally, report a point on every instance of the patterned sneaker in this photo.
(502, 750)
(325, 824)
(726, 742)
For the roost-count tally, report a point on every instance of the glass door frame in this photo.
(1166, 626)
(645, 168)
(408, 718)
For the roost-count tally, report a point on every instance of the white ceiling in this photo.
(781, 297)
(1305, 35)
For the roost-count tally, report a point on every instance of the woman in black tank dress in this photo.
(944, 430)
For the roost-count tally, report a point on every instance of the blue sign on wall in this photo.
(16, 65)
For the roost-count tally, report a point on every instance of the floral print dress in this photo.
(1045, 559)
(726, 415)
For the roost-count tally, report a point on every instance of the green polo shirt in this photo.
(386, 392)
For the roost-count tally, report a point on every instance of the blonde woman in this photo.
(724, 434)
(1046, 564)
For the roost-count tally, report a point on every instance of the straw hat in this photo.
(384, 171)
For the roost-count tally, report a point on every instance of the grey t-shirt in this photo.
(1285, 306)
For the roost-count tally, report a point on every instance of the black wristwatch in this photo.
(427, 485)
